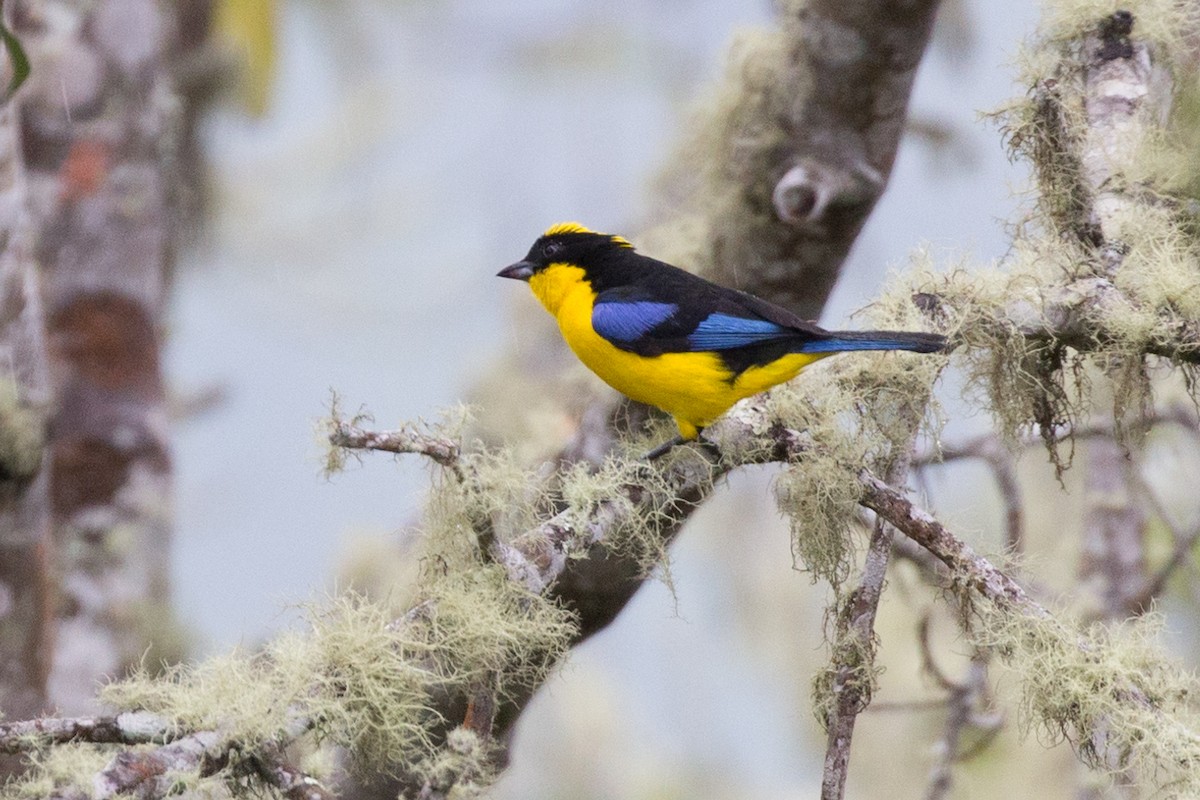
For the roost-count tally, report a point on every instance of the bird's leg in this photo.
(663, 448)
(704, 444)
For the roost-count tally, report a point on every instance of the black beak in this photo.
(519, 271)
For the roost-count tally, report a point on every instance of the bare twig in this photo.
(965, 699)
(1185, 543)
(929, 664)
(968, 568)
(1177, 413)
(989, 449)
(409, 439)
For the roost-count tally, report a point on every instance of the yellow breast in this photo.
(694, 388)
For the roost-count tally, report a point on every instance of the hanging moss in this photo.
(1109, 690)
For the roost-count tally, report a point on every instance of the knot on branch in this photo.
(1114, 36)
(807, 191)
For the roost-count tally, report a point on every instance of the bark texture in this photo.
(25, 588)
(1118, 75)
(809, 191)
(99, 126)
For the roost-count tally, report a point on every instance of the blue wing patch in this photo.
(725, 332)
(628, 321)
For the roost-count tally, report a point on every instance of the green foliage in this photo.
(17, 58)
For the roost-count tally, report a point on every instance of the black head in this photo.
(567, 243)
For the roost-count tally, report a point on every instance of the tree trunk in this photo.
(100, 125)
(25, 604)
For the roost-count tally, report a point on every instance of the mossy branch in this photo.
(397, 686)
(849, 681)
(521, 564)
(133, 727)
(157, 771)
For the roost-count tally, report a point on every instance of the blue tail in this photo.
(841, 341)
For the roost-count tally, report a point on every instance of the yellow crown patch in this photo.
(566, 227)
(575, 227)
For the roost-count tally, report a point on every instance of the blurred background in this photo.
(385, 159)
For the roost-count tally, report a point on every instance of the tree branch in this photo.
(854, 663)
(968, 568)
(409, 439)
(989, 449)
(149, 772)
(275, 770)
(840, 109)
(133, 727)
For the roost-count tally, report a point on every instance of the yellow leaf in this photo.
(246, 30)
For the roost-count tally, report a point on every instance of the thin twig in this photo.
(854, 659)
(967, 567)
(989, 449)
(409, 439)
(1154, 585)
(964, 698)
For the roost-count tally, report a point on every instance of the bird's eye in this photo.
(551, 249)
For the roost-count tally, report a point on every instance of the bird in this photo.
(665, 337)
